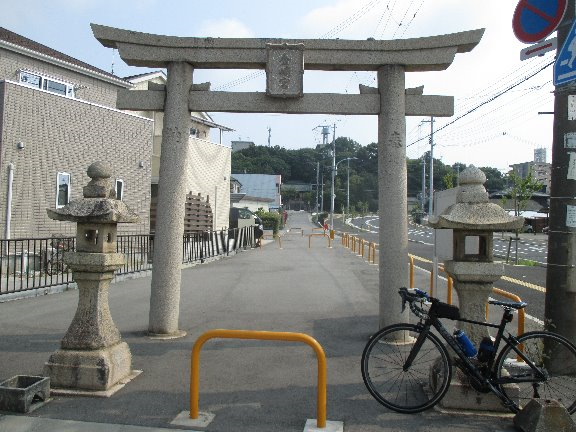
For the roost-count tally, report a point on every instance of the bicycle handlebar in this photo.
(412, 296)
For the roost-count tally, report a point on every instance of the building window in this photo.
(194, 132)
(62, 189)
(119, 189)
(46, 83)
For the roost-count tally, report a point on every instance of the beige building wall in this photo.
(209, 163)
(61, 134)
(87, 88)
(209, 175)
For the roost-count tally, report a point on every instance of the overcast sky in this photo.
(498, 133)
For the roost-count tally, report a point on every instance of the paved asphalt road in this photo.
(252, 386)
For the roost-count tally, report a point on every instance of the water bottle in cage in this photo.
(465, 343)
(485, 349)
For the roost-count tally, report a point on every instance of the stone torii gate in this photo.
(284, 61)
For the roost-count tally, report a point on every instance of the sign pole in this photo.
(561, 269)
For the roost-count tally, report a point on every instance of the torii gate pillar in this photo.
(166, 277)
(392, 187)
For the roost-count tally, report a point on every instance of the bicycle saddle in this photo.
(513, 305)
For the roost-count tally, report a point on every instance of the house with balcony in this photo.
(57, 116)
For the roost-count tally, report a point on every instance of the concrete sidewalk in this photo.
(329, 294)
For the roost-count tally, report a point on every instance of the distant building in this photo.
(541, 171)
(295, 196)
(261, 189)
(241, 145)
(540, 155)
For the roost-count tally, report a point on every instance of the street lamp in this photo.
(317, 167)
(347, 181)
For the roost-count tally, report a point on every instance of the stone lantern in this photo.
(473, 220)
(92, 357)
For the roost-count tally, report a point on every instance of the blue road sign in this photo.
(565, 65)
(534, 20)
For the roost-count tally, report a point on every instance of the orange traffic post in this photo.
(411, 272)
(259, 335)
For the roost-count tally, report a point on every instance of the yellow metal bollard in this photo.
(411, 272)
(259, 335)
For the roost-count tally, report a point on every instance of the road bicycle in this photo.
(54, 256)
(408, 369)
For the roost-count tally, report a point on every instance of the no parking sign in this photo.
(534, 20)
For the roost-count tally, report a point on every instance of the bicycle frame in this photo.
(488, 378)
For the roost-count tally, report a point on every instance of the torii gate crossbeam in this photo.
(284, 61)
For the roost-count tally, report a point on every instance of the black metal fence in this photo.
(27, 264)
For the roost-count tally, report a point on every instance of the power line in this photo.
(486, 102)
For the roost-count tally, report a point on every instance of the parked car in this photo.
(242, 217)
(527, 228)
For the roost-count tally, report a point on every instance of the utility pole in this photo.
(333, 175)
(431, 198)
(325, 133)
(561, 267)
(322, 194)
(348, 186)
(423, 197)
(317, 174)
(269, 135)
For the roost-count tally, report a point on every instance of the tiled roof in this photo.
(16, 39)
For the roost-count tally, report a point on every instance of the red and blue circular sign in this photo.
(534, 20)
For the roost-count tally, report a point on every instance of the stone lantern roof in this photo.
(98, 204)
(472, 210)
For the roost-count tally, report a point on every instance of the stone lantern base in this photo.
(461, 396)
(103, 370)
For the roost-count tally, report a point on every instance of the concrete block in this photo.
(331, 426)
(543, 415)
(203, 420)
(21, 392)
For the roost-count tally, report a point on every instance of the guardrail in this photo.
(274, 237)
(259, 335)
(358, 245)
(318, 235)
(295, 228)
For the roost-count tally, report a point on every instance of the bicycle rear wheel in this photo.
(413, 390)
(554, 356)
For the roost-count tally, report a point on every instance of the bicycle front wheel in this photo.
(405, 390)
(553, 356)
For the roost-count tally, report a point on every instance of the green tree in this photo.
(448, 180)
(521, 190)
(495, 181)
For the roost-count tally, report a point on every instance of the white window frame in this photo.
(58, 182)
(121, 189)
(39, 81)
